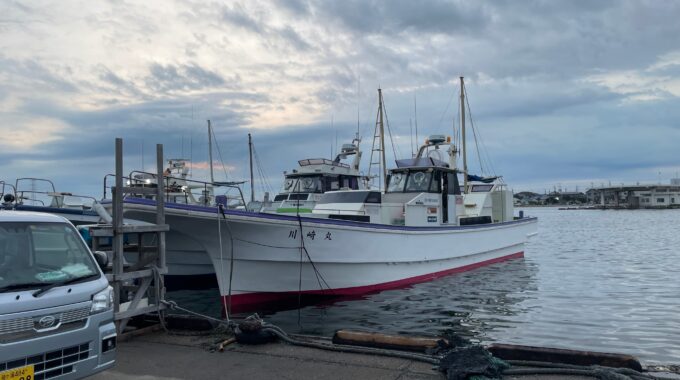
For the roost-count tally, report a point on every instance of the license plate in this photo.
(21, 373)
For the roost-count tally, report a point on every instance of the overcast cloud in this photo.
(568, 93)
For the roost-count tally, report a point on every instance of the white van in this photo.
(56, 317)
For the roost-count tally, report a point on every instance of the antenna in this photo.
(336, 138)
(191, 144)
(212, 177)
(410, 125)
(358, 101)
(250, 156)
(415, 112)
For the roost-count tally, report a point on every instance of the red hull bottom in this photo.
(266, 300)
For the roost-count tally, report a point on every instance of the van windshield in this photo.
(37, 254)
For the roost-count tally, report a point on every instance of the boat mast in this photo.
(382, 138)
(250, 154)
(462, 131)
(212, 177)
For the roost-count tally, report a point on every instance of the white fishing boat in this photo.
(423, 226)
(303, 186)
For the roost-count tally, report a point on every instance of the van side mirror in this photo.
(102, 258)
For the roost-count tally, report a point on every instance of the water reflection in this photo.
(472, 304)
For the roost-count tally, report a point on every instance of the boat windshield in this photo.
(412, 181)
(319, 183)
(33, 255)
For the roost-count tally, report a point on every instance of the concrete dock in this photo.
(163, 356)
(160, 355)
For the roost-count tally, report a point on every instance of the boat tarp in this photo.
(476, 178)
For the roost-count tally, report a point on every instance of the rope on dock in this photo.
(348, 349)
(173, 305)
(456, 363)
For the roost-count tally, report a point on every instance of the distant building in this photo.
(636, 196)
(527, 198)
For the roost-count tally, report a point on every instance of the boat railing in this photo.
(172, 189)
(3, 189)
(4, 186)
(321, 161)
(33, 181)
(22, 194)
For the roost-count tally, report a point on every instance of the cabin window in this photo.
(396, 181)
(280, 197)
(481, 188)
(298, 197)
(373, 197)
(418, 181)
(288, 185)
(303, 184)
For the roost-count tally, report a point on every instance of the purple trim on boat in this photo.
(55, 210)
(338, 222)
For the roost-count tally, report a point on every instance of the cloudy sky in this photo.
(561, 93)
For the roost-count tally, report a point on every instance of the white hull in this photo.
(349, 257)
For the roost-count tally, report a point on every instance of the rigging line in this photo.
(485, 152)
(375, 131)
(389, 131)
(260, 169)
(219, 152)
(441, 118)
(474, 133)
(262, 180)
(264, 185)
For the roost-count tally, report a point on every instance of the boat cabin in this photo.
(303, 187)
(424, 191)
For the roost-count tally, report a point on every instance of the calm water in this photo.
(596, 280)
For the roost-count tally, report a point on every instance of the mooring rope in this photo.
(231, 259)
